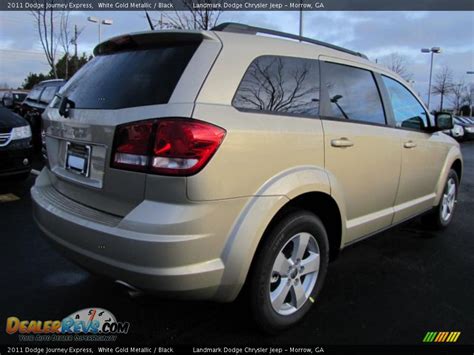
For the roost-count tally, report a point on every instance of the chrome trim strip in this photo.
(7, 137)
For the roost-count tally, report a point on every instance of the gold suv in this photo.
(192, 163)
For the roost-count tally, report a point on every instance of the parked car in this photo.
(34, 104)
(13, 99)
(6, 99)
(467, 124)
(238, 159)
(15, 145)
(457, 132)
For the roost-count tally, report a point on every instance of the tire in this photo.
(439, 218)
(265, 283)
(16, 178)
(22, 176)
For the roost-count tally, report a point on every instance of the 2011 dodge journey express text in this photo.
(192, 163)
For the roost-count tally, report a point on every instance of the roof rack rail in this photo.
(246, 29)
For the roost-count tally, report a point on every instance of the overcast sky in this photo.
(377, 34)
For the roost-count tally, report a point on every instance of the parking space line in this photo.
(8, 198)
(35, 172)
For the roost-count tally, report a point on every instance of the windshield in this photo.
(464, 120)
(130, 78)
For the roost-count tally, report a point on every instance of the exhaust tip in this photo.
(132, 291)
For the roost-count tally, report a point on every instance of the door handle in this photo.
(342, 143)
(409, 144)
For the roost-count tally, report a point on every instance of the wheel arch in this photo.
(319, 203)
(322, 205)
(303, 187)
(457, 167)
(453, 161)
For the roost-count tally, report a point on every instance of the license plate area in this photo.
(78, 157)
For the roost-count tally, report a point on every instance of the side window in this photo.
(280, 84)
(35, 93)
(407, 110)
(48, 94)
(353, 94)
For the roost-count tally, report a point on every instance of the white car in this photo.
(467, 125)
(456, 132)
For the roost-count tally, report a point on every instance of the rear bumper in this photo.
(177, 255)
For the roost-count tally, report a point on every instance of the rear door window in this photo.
(353, 94)
(130, 78)
(284, 85)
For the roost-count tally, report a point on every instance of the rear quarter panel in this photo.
(256, 148)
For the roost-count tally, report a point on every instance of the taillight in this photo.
(132, 145)
(168, 146)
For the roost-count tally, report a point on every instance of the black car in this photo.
(15, 145)
(36, 102)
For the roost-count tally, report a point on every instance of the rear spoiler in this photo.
(150, 39)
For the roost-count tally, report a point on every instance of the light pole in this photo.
(431, 50)
(301, 19)
(99, 21)
(470, 94)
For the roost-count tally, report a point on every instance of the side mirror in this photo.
(443, 120)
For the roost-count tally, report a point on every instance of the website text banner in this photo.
(237, 5)
(84, 347)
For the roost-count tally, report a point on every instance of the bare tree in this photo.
(443, 84)
(65, 39)
(45, 21)
(398, 64)
(457, 95)
(199, 16)
(270, 86)
(468, 98)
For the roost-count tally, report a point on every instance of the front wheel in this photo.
(442, 214)
(289, 271)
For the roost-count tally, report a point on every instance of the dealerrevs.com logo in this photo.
(93, 324)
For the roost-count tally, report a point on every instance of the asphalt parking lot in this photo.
(390, 289)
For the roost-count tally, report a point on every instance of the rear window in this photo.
(285, 85)
(129, 78)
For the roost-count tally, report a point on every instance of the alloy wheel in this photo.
(294, 273)
(449, 200)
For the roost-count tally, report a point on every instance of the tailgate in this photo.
(133, 78)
